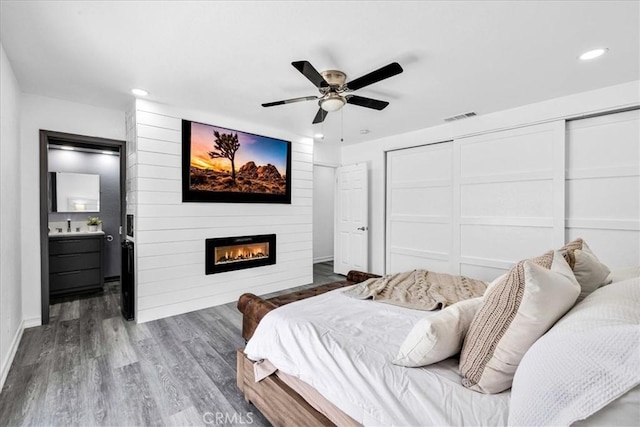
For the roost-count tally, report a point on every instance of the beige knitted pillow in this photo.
(515, 312)
(589, 271)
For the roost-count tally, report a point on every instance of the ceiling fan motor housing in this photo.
(332, 100)
(335, 78)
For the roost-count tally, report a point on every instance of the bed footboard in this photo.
(278, 402)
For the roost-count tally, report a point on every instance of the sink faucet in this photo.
(68, 225)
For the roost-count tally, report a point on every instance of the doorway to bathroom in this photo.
(82, 208)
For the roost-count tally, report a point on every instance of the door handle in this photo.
(363, 228)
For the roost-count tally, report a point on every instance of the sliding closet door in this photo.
(603, 186)
(419, 209)
(510, 192)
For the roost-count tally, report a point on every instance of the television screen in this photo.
(226, 165)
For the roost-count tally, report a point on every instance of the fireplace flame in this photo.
(238, 253)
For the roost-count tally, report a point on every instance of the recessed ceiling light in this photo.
(67, 147)
(139, 92)
(318, 136)
(592, 54)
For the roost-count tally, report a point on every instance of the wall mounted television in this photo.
(230, 166)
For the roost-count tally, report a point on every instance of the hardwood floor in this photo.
(91, 367)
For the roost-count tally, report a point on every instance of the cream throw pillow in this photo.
(438, 337)
(589, 271)
(514, 313)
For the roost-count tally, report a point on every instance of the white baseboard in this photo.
(6, 364)
(323, 259)
(31, 323)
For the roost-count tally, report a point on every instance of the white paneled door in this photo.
(603, 186)
(352, 213)
(477, 205)
(511, 197)
(420, 209)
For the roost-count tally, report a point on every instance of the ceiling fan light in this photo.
(333, 103)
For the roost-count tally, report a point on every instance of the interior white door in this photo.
(352, 213)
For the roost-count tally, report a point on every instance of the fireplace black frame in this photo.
(210, 249)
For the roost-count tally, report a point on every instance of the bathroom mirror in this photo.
(74, 192)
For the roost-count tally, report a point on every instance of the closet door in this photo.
(603, 186)
(510, 191)
(419, 209)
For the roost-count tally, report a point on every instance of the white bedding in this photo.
(589, 359)
(344, 348)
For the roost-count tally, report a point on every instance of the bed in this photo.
(327, 360)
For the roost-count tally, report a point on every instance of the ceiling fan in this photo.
(335, 93)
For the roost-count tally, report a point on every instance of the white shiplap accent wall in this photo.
(170, 235)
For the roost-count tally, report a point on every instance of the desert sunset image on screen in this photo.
(225, 160)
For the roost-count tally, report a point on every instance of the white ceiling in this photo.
(230, 57)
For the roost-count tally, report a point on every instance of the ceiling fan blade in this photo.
(375, 76)
(366, 102)
(290, 101)
(311, 73)
(320, 116)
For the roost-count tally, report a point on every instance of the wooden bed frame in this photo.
(278, 402)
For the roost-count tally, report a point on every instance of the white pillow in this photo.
(439, 336)
(515, 312)
(587, 360)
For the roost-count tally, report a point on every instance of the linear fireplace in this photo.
(236, 253)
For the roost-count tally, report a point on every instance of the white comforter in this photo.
(344, 348)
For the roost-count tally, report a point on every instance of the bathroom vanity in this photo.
(75, 262)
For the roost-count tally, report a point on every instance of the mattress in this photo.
(343, 348)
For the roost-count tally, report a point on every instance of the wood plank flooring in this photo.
(89, 367)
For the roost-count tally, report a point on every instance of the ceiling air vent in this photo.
(460, 116)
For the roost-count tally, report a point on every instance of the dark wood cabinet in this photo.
(75, 263)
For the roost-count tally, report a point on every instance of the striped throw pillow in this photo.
(515, 312)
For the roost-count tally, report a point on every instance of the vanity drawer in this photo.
(71, 262)
(74, 280)
(71, 246)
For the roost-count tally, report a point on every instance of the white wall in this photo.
(326, 153)
(170, 235)
(44, 113)
(10, 261)
(373, 152)
(323, 212)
